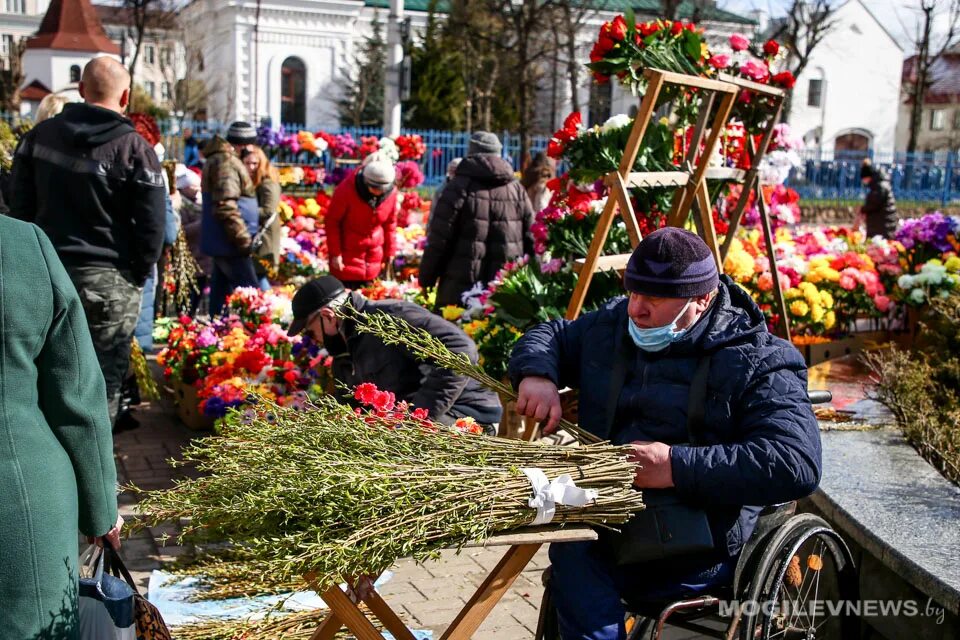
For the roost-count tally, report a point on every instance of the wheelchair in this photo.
(791, 580)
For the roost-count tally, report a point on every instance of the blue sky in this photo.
(898, 16)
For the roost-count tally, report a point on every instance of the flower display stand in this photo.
(188, 407)
(690, 179)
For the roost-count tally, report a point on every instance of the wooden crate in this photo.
(852, 344)
(188, 408)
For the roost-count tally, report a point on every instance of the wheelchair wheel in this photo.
(804, 579)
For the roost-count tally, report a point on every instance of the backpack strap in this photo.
(697, 402)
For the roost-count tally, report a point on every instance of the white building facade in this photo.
(848, 96)
(286, 62)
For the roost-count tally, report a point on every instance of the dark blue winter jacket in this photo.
(760, 443)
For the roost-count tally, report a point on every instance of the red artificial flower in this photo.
(676, 28)
(599, 78)
(573, 122)
(420, 413)
(291, 377)
(719, 61)
(648, 28)
(618, 28)
(365, 392)
(771, 47)
(554, 149)
(785, 79)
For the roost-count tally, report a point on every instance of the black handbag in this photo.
(668, 527)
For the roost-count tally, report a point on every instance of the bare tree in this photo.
(190, 92)
(571, 15)
(11, 77)
(928, 52)
(669, 8)
(143, 16)
(802, 30)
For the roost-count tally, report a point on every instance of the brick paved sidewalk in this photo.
(425, 596)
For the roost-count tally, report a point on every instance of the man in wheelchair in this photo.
(714, 406)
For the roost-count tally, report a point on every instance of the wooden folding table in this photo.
(523, 545)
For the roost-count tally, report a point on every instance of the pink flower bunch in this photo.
(409, 175)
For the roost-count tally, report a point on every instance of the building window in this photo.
(956, 119)
(293, 92)
(16, 6)
(166, 55)
(149, 54)
(815, 92)
(937, 118)
(75, 73)
(150, 88)
(165, 91)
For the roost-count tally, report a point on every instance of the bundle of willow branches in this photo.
(397, 331)
(141, 371)
(299, 625)
(337, 493)
(181, 273)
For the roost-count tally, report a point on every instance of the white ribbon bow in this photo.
(547, 495)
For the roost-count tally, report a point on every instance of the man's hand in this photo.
(655, 471)
(539, 398)
(336, 263)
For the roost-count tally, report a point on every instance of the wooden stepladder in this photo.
(689, 180)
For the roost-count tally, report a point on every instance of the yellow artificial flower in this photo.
(952, 263)
(816, 312)
(792, 293)
(311, 206)
(739, 264)
(452, 313)
(826, 299)
(829, 320)
(799, 308)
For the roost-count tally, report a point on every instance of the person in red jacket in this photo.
(361, 223)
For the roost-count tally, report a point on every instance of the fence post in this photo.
(947, 181)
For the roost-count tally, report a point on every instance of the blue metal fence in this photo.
(926, 177)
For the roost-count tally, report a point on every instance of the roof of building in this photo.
(640, 7)
(944, 75)
(34, 92)
(72, 25)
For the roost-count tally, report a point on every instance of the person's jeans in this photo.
(111, 304)
(587, 587)
(228, 274)
(144, 330)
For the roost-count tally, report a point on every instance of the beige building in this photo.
(940, 120)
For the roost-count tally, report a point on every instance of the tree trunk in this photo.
(920, 82)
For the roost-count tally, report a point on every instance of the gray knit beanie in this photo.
(380, 174)
(484, 142)
(241, 132)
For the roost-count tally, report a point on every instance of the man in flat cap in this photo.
(714, 406)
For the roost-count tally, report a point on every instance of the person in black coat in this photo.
(633, 362)
(362, 357)
(481, 220)
(880, 207)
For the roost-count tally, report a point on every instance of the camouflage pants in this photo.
(111, 303)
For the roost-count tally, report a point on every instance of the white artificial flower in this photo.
(389, 149)
(917, 296)
(616, 122)
(597, 205)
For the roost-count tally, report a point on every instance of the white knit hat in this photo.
(379, 173)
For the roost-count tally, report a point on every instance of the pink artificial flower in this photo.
(739, 42)
(882, 302)
(754, 70)
(719, 61)
(848, 279)
(552, 266)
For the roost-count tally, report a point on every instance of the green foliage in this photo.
(8, 144)
(921, 387)
(438, 94)
(141, 102)
(362, 101)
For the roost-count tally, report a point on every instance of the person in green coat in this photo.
(57, 471)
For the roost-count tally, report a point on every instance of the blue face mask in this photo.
(657, 338)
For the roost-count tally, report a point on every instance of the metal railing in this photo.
(930, 177)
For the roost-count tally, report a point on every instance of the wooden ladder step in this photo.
(726, 173)
(616, 262)
(650, 179)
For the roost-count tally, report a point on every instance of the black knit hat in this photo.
(241, 133)
(311, 297)
(866, 169)
(671, 263)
